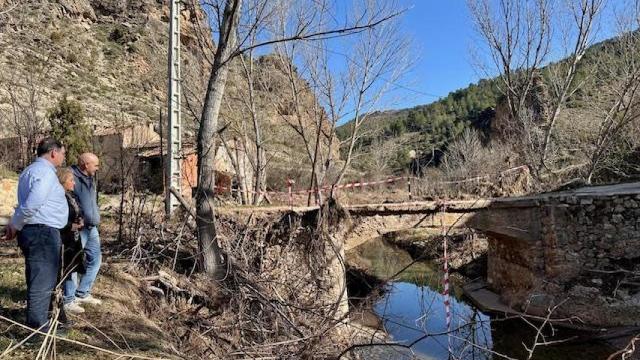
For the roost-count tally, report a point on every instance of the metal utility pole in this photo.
(174, 133)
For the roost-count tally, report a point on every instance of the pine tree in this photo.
(69, 126)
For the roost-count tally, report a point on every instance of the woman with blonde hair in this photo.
(72, 253)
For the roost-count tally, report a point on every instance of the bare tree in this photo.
(26, 117)
(382, 58)
(259, 163)
(378, 157)
(232, 39)
(584, 13)
(618, 101)
(466, 155)
(249, 127)
(519, 38)
(26, 121)
(378, 57)
(305, 113)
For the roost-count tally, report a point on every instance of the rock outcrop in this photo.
(111, 56)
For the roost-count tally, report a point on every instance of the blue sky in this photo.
(443, 34)
(443, 39)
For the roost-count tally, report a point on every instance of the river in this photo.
(412, 310)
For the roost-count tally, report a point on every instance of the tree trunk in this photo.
(260, 169)
(210, 254)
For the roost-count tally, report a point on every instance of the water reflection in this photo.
(412, 310)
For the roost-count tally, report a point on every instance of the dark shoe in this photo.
(36, 340)
(33, 342)
(62, 331)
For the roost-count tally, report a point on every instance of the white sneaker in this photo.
(89, 300)
(73, 308)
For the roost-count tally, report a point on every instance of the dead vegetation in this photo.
(279, 297)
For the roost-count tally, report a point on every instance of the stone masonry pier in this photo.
(577, 249)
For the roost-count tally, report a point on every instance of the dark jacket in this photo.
(73, 254)
(85, 190)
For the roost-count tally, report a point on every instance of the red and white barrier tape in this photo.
(445, 282)
(354, 185)
(445, 291)
(322, 189)
(521, 167)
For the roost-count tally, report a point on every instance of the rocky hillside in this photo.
(111, 56)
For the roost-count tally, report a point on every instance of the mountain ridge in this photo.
(432, 126)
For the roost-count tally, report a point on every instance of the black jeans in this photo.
(40, 245)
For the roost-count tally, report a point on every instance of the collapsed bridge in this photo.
(578, 249)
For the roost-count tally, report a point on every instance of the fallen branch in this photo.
(165, 284)
(183, 202)
(97, 348)
(628, 350)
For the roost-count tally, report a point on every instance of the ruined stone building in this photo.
(133, 156)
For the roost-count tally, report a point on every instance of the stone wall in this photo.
(582, 252)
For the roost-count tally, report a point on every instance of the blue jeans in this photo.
(90, 239)
(40, 245)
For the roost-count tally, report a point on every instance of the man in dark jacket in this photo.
(76, 294)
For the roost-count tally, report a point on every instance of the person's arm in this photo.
(70, 218)
(41, 187)
(79, 216)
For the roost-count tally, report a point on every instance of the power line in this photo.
(382, 78)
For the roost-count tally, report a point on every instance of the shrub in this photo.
(56, 37)
(117, 34)
(69, 126)
(6, 173)
(72, 58)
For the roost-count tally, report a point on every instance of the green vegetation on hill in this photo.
(429, 128)
(448, 115)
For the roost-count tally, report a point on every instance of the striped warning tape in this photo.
(445, 291)
(445, 280)
(322, 189)
(353, 185)
(476, 178)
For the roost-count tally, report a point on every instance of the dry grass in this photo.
(8, 195)
(119, 325)
(279, 298)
